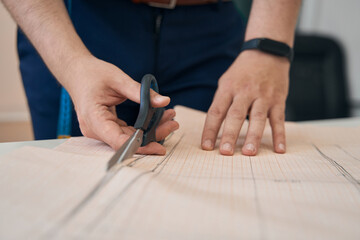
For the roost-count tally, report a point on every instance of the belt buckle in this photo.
(170, 5)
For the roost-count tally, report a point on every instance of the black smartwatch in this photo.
(269, 46)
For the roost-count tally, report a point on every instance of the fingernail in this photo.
(281, 147)
(176, 127)
(207, 144)
(250, 147)
(226, 147)
(159, 98)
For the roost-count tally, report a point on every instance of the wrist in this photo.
(262, 57)
(287, 39)
(70, 70)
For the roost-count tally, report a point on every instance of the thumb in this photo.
(131, 90)
(158, 100)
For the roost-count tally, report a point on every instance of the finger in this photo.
(128, 130)
(214, 118)
(165, 129)
(277, 122)
(129, 88)
(234, 120)
(107, 129)
(112, 109)
(153, 148)
(158, 100)
(168, 115)
(104, 125)
(121, 123)
(257, 121)
(111, 133)
(116, 137)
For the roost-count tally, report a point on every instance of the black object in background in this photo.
(318, 86)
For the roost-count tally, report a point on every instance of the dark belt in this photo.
(173, 3)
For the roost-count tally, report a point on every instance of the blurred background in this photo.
(324, 77)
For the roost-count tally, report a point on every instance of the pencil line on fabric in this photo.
(340, 169)
(97, 188)
(92, 225)
(347, 153)
(257, 202)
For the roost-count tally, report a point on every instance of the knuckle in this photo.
(270, 94)
(210, 132)
(114, 145)
(279, 117)
(279, 135)
(248, 87)
(215, 112)
(83, 127)
(230, 135)
(254, 137)
(107, 129)
(82, 122)
(166, 132)
(81, 119)
(237, 114)
(224, 79)
(84, 131)
(259, 115)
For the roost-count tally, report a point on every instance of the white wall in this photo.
(13, 105)
(340, 19)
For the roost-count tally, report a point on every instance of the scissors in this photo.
(146, 123)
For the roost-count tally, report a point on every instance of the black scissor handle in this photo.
(149, 117)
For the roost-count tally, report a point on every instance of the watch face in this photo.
(274, 47)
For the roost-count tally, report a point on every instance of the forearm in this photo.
(49, 28)
(274, 19)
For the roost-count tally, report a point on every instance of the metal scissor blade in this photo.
(127, 150)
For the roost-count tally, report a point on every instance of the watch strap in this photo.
(269, 46)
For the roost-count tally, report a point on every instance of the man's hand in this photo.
(255, 84)
(96, 87)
